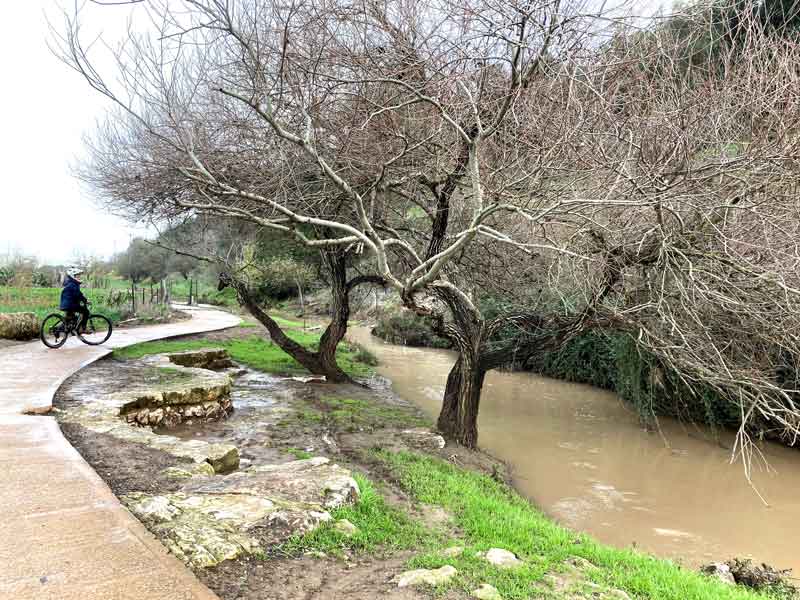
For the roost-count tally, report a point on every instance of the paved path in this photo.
(63, 534)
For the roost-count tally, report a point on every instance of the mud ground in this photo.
(270, 421)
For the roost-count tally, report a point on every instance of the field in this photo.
(43, 301)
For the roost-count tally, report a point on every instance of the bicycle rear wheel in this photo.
(97, 330)
(53, 331)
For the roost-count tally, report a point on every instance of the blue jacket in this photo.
(71, 295)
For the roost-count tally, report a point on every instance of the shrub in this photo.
(408, 329)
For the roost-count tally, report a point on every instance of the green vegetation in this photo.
(379, 526)
(350, 414)
(43, 301)
(298, 453)
(614, 362)
(400, 326)
(488, 514)
(255, 352)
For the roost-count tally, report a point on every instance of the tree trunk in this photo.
(340, 314)
(458, 419)
(448, 416)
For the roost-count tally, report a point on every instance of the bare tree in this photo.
(539, 139)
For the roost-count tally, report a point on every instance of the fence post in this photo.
(133, 297)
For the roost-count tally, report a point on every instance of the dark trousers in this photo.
(83, 311)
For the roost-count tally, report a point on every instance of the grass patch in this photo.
(349, 414)
(43, 301)
(490, 514)
(379, 526)
(298, 453)
(287, 322)
(255, 352)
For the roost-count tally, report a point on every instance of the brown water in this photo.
(581, 455)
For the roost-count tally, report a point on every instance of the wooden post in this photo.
(133, 297)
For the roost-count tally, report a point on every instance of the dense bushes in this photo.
(614, 362)
(405, 328)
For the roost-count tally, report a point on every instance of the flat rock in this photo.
(486, 592)
(212, 519)
(203, 469)
(430, 577)
(422, 439)
(207, 358)
(453, 551)
(129, 415)
(501, 558)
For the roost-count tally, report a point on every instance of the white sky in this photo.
(44, 110)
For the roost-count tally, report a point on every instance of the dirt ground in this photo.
(129, 467)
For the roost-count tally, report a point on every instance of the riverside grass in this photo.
(256, 352)
(488, 514)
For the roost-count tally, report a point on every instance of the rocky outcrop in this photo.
(212, 519)
(183, 393)
(165, 395)
(19, 326)
(210, 358)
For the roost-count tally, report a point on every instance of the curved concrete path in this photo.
(63, 534)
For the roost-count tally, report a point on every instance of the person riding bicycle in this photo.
(72, 299)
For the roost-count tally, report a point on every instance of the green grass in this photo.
(491, 515)
(298, 453)
(380, 526)
(255, 352)
(351, 414)
(43, 301)
(287, 322)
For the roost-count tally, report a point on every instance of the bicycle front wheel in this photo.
(97, 330)
(53, 331)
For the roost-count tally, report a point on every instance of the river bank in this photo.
(582, 455)
(418, 503)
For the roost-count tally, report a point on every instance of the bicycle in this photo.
(57, 328)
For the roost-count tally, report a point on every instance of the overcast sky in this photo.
(45, 109)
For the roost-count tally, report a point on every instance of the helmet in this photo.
(74, 272)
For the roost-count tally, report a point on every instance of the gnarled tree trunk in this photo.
(323, 360)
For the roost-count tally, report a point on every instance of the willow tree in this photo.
(429, 134)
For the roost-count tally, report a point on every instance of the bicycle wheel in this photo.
(97, 330)
(53, 331)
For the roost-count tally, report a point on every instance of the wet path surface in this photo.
(65, 535)
(581, 455)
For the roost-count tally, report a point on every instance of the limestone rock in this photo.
(345, 527)
(422, 439)
(486, 592)
(501, 558)
(426, 576)
(720, 571)
(214, 518)
(207, 358)
(453, 551)
(19, 326)
(223, 458)
(203, 469)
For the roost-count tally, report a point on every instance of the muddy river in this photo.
(581, 455)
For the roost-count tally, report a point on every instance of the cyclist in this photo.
(72, 299)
